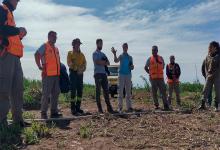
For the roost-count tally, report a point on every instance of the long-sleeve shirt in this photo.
(212, 66)
(76, 61)
(174, 71)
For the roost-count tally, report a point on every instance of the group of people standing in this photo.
(48, 61)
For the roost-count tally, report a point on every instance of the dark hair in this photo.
(51, 32)
(125, 44)
(155, 47)
(215, 44)
(98, 40)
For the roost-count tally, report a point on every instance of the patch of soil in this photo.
(199, 130)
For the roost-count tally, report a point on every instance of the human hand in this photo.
(114, 51)
(22, 32)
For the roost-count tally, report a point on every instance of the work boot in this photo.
(166, 107)
(56, 115)
(202, 107)
(73, 108)
(78, 105)
(110, 110)
(216, 107)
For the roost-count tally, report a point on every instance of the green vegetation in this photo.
(14, 136)
(85, 131)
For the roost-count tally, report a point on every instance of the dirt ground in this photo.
(199, 130)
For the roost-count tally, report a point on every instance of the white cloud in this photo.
(140, 28)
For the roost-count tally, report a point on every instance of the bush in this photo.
(35, 132)
(85, 131)
(32, 94)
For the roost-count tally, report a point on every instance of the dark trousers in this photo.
(101, 81)
(210, 97)
(76, 86)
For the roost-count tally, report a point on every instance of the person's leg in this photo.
(79, 93)
(154, 89)
(217, 93)
(46, 91)
(206, 90)
(121, 79)
(98, 81)
(73, 83)
(7, 66)
(162, 88)
(128, 92)
(177, 91)
(17, 93)
(4, 108)
(170, 89)
(54, 96)
(106, 92)
(210, 97)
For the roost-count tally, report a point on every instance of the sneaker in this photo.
(56, 115)
(80, 111)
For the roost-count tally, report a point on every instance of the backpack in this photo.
(64, 79)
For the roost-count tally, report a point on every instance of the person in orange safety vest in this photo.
(173, 73)
(11, 73)
(154, 67)
(48, 61)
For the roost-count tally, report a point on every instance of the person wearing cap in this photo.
(47, 59)
(154, 67)
(100, 74)
(126, 65)
(11, 73)
(77, 66)
(173, 73)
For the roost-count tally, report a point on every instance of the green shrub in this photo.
(32, 94)
(85, 131)
(37, 131)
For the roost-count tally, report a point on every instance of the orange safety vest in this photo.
(171, 81)
(52, 61)
(156, 69)
(15, 46)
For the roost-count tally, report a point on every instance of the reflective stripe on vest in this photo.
(15, 46)
(170, 81)
(156, 68)
(52, 61)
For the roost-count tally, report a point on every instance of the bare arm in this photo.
(38, 60)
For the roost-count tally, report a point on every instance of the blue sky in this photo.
(182, 28)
